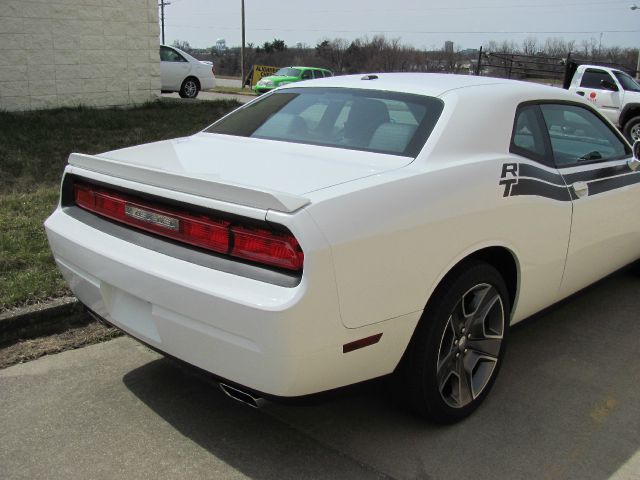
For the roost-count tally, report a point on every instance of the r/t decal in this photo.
(509, 177)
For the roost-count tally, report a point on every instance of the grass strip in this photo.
(34, 147)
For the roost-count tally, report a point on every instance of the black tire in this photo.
(431, 391)
(190, 88)
(631, 129)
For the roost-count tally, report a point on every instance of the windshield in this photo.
(288, 72)
(627, 81)
(369, 120)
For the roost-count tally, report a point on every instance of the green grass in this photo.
(34, 147)
(27, 270)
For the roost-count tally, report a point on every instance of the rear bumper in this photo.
(207, 82)
(277, 340)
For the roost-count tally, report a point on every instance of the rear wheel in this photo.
(189, 88)
(457, 349)
(631, 129)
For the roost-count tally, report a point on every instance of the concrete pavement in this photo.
(212, 96)
(228, 82)
(566, 406)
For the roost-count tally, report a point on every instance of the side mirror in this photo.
(634, 163)
(608, 85)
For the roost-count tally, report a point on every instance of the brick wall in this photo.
(58, 53)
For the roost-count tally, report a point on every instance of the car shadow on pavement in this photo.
(566, 405)
(252, 442)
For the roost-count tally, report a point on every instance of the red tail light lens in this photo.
(254, 244)
(199, 231)
(264, 246)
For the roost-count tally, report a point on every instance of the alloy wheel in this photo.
(470, 345)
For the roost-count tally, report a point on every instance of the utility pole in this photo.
(163, 4)
(635, 7)
(242, 47)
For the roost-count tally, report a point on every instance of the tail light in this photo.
(265, 246)
(258, 245)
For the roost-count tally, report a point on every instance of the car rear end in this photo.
(206, 73)
(205, 248)
(245, 292)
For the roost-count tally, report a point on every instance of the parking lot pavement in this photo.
(213, 96)
(228, 82)
(566, 406)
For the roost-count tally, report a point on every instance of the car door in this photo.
(593, 159)
(174, 68)
(540, 208)
(605, 100)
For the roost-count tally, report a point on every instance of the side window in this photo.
(307, 75)
(579, 135)
(327, 73)
(592, 78)
(527, 138)
(170, 55)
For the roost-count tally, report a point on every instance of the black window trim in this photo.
(545, 159)
(547, 139)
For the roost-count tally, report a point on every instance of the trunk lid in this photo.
(248, 171)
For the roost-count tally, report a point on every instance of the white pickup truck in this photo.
(614, 93)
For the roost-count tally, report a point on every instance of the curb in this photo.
(41, 319)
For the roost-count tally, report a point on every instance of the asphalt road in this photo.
(566, 406)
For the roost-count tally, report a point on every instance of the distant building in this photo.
(62, 53)
(448, 46)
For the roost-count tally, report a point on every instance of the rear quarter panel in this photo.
(394, 236)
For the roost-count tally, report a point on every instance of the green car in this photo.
(289, 75)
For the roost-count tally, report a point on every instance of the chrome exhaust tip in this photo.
(241, 395)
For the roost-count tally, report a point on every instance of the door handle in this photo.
(581, 93)
(581, 189)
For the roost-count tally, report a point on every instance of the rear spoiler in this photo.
(226, 192)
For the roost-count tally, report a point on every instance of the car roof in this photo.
(437, 84)
(309, 68)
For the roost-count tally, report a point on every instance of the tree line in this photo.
(381, 54)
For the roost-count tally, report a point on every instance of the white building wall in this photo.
(58, 53)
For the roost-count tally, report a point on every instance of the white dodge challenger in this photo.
(351, 227)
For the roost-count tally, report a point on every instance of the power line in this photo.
(289, 10)
(371, 30)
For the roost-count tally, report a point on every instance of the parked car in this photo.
(349, 228)
(180, 72)
(288, 75)
(615, 93)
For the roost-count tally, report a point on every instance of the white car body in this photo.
(379, 233)
(179, 66)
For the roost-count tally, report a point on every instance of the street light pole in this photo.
(242, 48)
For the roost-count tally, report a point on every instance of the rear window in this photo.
(369, 120)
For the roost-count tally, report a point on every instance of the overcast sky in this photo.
(423, 24)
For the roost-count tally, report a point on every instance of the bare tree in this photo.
(530, 46)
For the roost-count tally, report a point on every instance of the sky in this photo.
(422, 24)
